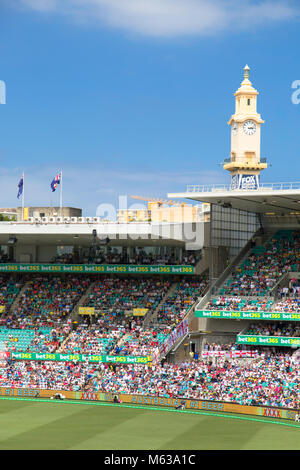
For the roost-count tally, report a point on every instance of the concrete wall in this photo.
(46, 253)
(25, 253)
(222, 325)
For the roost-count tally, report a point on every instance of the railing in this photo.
(58, 221)
(229, 160)
(194, 188)
(79, 221)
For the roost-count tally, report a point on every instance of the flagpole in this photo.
(61, 183)
(23, 198)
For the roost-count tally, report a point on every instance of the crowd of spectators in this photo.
(217, 346)
(49, 341)
(290, 290)
(47, 375)
(138, 257)
(274, 329)
(48, 300)
(272, 379)
(176, 306)
(235, 303)
(100, 338)
(116, 296)
(140, 342)
(287, 305)
(264, 267)
(125, 336)
(10, 286)
(38, 339)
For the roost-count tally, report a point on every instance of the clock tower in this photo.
(245, 163)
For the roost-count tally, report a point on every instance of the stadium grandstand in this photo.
(204, 310)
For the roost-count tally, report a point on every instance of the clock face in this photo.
(234, 128)
(249, 127)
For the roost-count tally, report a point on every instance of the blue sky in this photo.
(133, 96)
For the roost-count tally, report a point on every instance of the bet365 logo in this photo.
(2, 92)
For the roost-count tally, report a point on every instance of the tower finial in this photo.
(246, 72)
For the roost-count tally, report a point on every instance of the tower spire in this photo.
(246, 72)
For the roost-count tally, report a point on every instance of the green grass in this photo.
(41, 424)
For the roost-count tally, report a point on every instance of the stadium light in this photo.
(12, 240)
(105, 241)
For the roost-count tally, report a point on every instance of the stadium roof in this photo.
(132, 234)
(278, 198)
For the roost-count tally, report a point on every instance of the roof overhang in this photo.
(262, 201)
(132, 234)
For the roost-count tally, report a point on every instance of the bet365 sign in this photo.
(245, 182)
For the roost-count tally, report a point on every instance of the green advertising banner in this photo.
(280, 316)
(59, 357)
(268, 340)
(95, 269)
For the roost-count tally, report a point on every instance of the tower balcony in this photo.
(244, 164)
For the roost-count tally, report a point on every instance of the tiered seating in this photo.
(40, 322)
(95, 340)
(265, 266)
(239, 304)
(49, 299)
(181, 300)
(114, 300)
(114, 297)
(142, 343)
(269, 380)
(287, 305)
(10, 286)
(274, 329)
(20, 340)
(47, 375)
(17, 340)
(49, 339)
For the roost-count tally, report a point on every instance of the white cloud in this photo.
(170, 18)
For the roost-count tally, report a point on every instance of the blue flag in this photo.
(55, 182)
(20, 186)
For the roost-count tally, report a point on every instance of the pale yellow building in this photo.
(125, 216)
(157, 212)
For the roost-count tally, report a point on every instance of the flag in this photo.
(20, 186)
(55, 182)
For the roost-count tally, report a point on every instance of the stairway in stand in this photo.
(152, 317)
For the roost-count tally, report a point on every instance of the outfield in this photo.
(41, 424)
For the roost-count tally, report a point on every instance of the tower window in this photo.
(248, 101)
